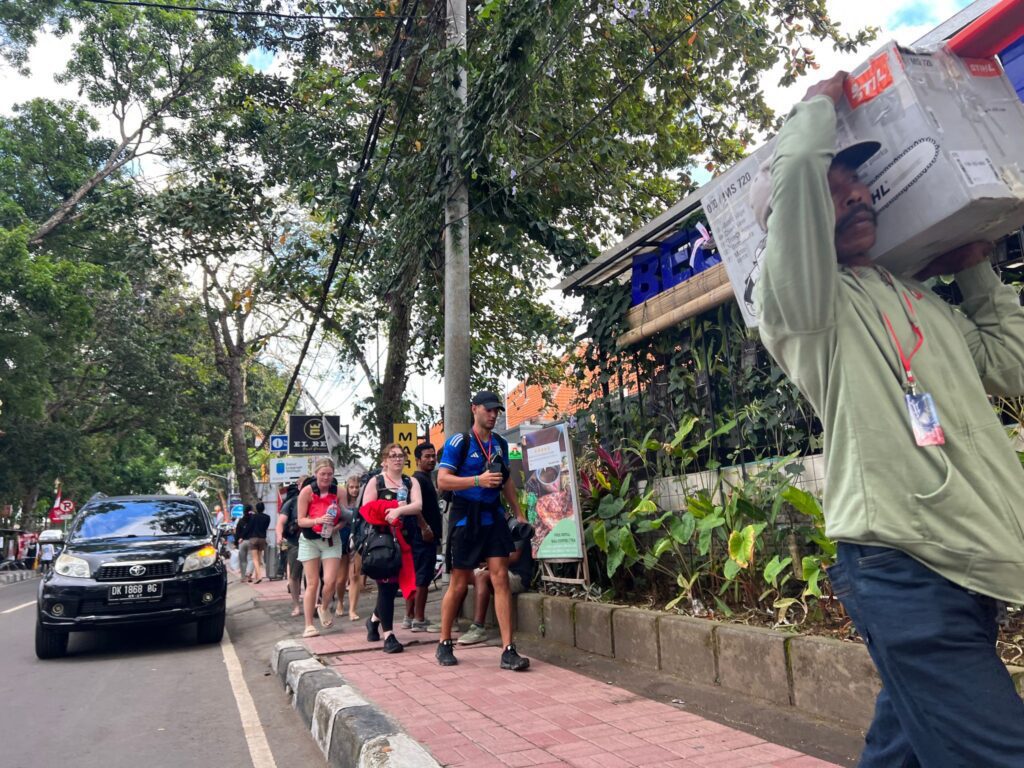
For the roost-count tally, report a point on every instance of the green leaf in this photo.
(615, 557)
(774, 567)
(600, 534)
(676, 600)
(704, 541)
(804, 502)
(722, 607)
(741, 546)
(685, 428)
(682, 527)
(627, 543)
(730, 569)
(610, 506)
(644, 506)
(663, 545)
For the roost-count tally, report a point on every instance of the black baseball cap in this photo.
(488, 400)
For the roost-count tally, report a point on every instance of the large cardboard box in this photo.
(951, 166)
(950, 169)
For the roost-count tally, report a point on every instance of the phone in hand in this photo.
(494, 466)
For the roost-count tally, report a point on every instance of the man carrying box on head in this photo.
(923, 492)
(475, 467)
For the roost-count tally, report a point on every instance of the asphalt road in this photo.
(146, 698)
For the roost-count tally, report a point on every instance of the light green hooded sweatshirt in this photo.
(958, 507)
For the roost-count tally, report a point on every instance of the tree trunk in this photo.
(396, 368)
(236, 419)
(28, 505)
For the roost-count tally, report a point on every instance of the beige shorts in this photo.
(515, 582)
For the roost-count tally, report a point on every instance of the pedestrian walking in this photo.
(319, 542)
(355, 571)
(242, 528)
(924, 492)
(423, 533)
(520, 577)
(288, 536)
(258, 540)
(46, 555)
(347, 502)
(391, 485)
(475, 468)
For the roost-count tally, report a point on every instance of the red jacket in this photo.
(374, 513)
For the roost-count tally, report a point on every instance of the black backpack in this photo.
(381, 554)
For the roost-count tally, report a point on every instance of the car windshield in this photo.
(137, 519)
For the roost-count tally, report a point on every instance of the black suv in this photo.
(133, 560)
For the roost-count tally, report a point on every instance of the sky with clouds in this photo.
(904, 21)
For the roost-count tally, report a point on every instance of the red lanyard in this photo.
(906, 359)
(486, 452)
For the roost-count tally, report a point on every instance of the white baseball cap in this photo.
(851, 155)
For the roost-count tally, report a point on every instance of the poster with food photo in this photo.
(552, 496)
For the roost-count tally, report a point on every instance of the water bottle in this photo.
(328, 529)
(403, 494)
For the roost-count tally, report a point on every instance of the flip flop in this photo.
(296, 611)
(353, 617)
(328, 621)
(311, 631)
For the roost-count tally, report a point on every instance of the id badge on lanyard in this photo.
(924, 418)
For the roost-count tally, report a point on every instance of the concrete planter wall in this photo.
(822, 677)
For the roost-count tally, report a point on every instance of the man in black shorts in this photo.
(475, 468)
(423, 532)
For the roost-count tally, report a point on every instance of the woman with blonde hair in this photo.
(319, 541)
(350, 570)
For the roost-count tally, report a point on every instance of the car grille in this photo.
(103, 608)
(159, 569)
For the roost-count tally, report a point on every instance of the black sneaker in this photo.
(372, 633)
(445, 655)
(391, 645)
(510, 659)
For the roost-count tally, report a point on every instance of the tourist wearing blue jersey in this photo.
(474, 467)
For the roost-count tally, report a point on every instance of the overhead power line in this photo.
(395, 52)
(240, 12)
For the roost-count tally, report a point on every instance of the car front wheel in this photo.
(50, 644)
(210, 629)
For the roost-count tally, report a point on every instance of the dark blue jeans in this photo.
(947, 701)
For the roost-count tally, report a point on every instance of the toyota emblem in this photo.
(137, 570)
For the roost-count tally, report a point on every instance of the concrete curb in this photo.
(12, 577)
(348, 729)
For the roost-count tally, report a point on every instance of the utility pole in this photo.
(456, 251)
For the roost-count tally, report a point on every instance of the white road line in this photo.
(19, 607)
(259, 749)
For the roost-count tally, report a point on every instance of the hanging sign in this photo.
(405, 436)
(306, 434)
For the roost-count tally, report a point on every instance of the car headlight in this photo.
(69, 565)
(202, 558)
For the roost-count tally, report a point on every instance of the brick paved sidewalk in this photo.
(475, 715)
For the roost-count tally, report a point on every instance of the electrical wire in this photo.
(238, 12)
(395, 51)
